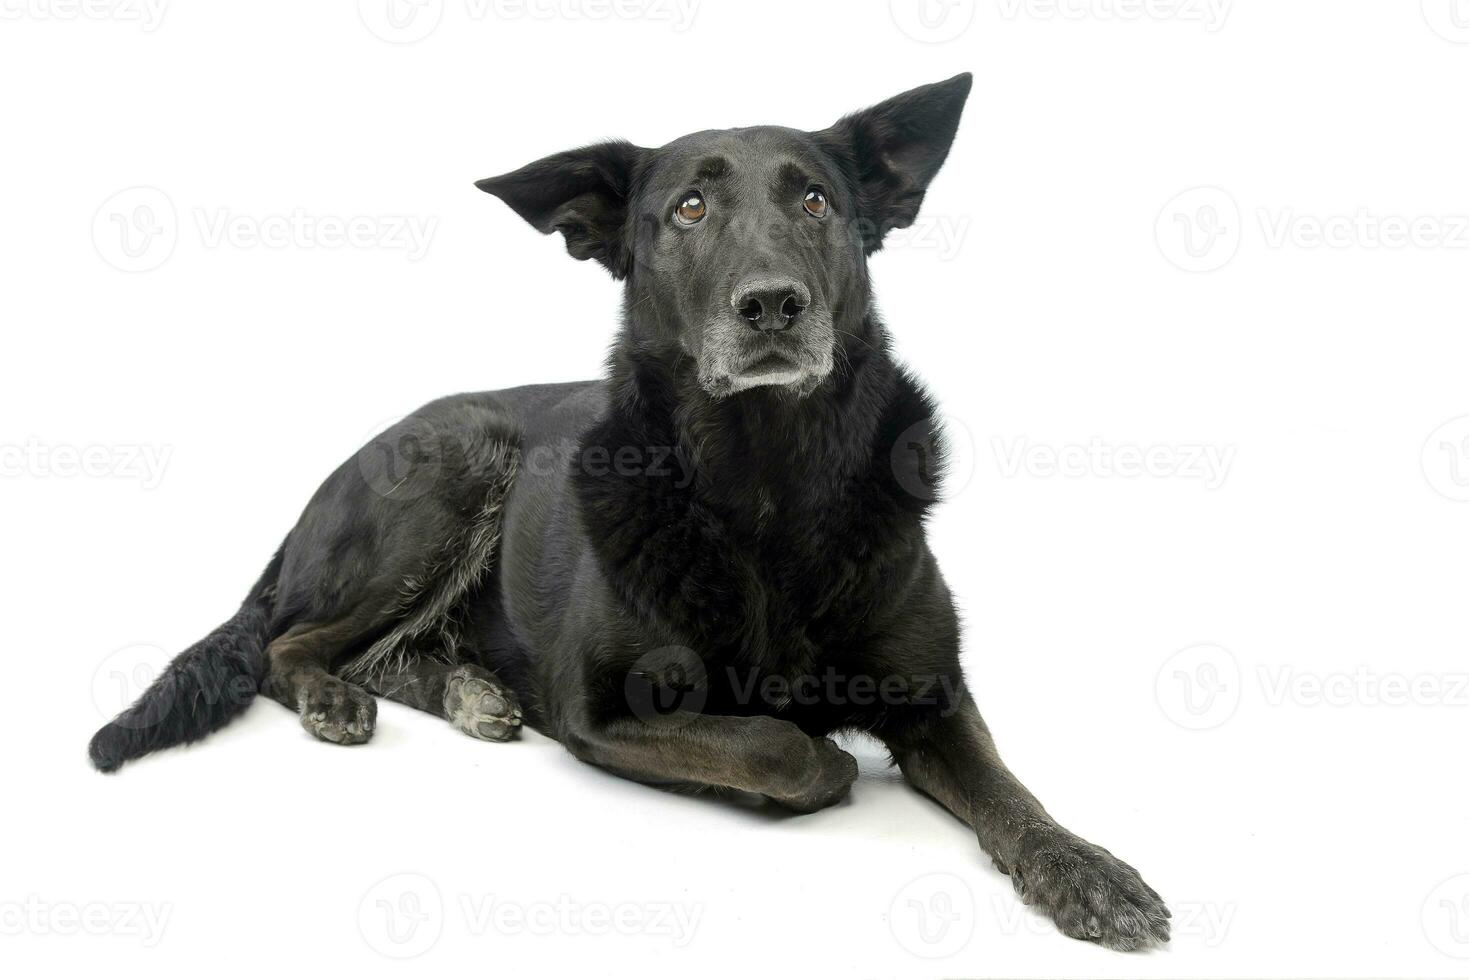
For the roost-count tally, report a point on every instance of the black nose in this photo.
(770, 303)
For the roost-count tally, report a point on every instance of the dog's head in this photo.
(746, 249)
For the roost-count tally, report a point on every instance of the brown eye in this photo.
(691, 209)
(815, 203)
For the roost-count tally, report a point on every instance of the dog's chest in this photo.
(781, 600)
(775, 559)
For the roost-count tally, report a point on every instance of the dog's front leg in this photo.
(758, 754)
(1089, 893)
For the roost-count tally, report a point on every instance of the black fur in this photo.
(201, 691)
(697, 569)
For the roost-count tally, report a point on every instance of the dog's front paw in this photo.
(1088, 892)
(829, 775)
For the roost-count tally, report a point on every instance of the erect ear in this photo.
(581, 193)
(895, 148)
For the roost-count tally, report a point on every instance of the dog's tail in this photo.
(201, 691)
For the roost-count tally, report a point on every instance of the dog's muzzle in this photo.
(772, 335)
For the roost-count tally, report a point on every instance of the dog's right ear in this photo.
(581, 193)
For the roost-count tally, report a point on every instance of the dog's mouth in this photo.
(778, 369)
(734, 359)
(773, 369)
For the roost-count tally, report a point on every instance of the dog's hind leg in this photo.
(384, 562)
(468, 696)
(297, 676)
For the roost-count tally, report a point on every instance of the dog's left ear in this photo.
(581, 193)
(894, 149)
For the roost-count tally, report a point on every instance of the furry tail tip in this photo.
(201, 691)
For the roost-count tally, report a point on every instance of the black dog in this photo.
(693, 571)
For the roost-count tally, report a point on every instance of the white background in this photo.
(1247, 682)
